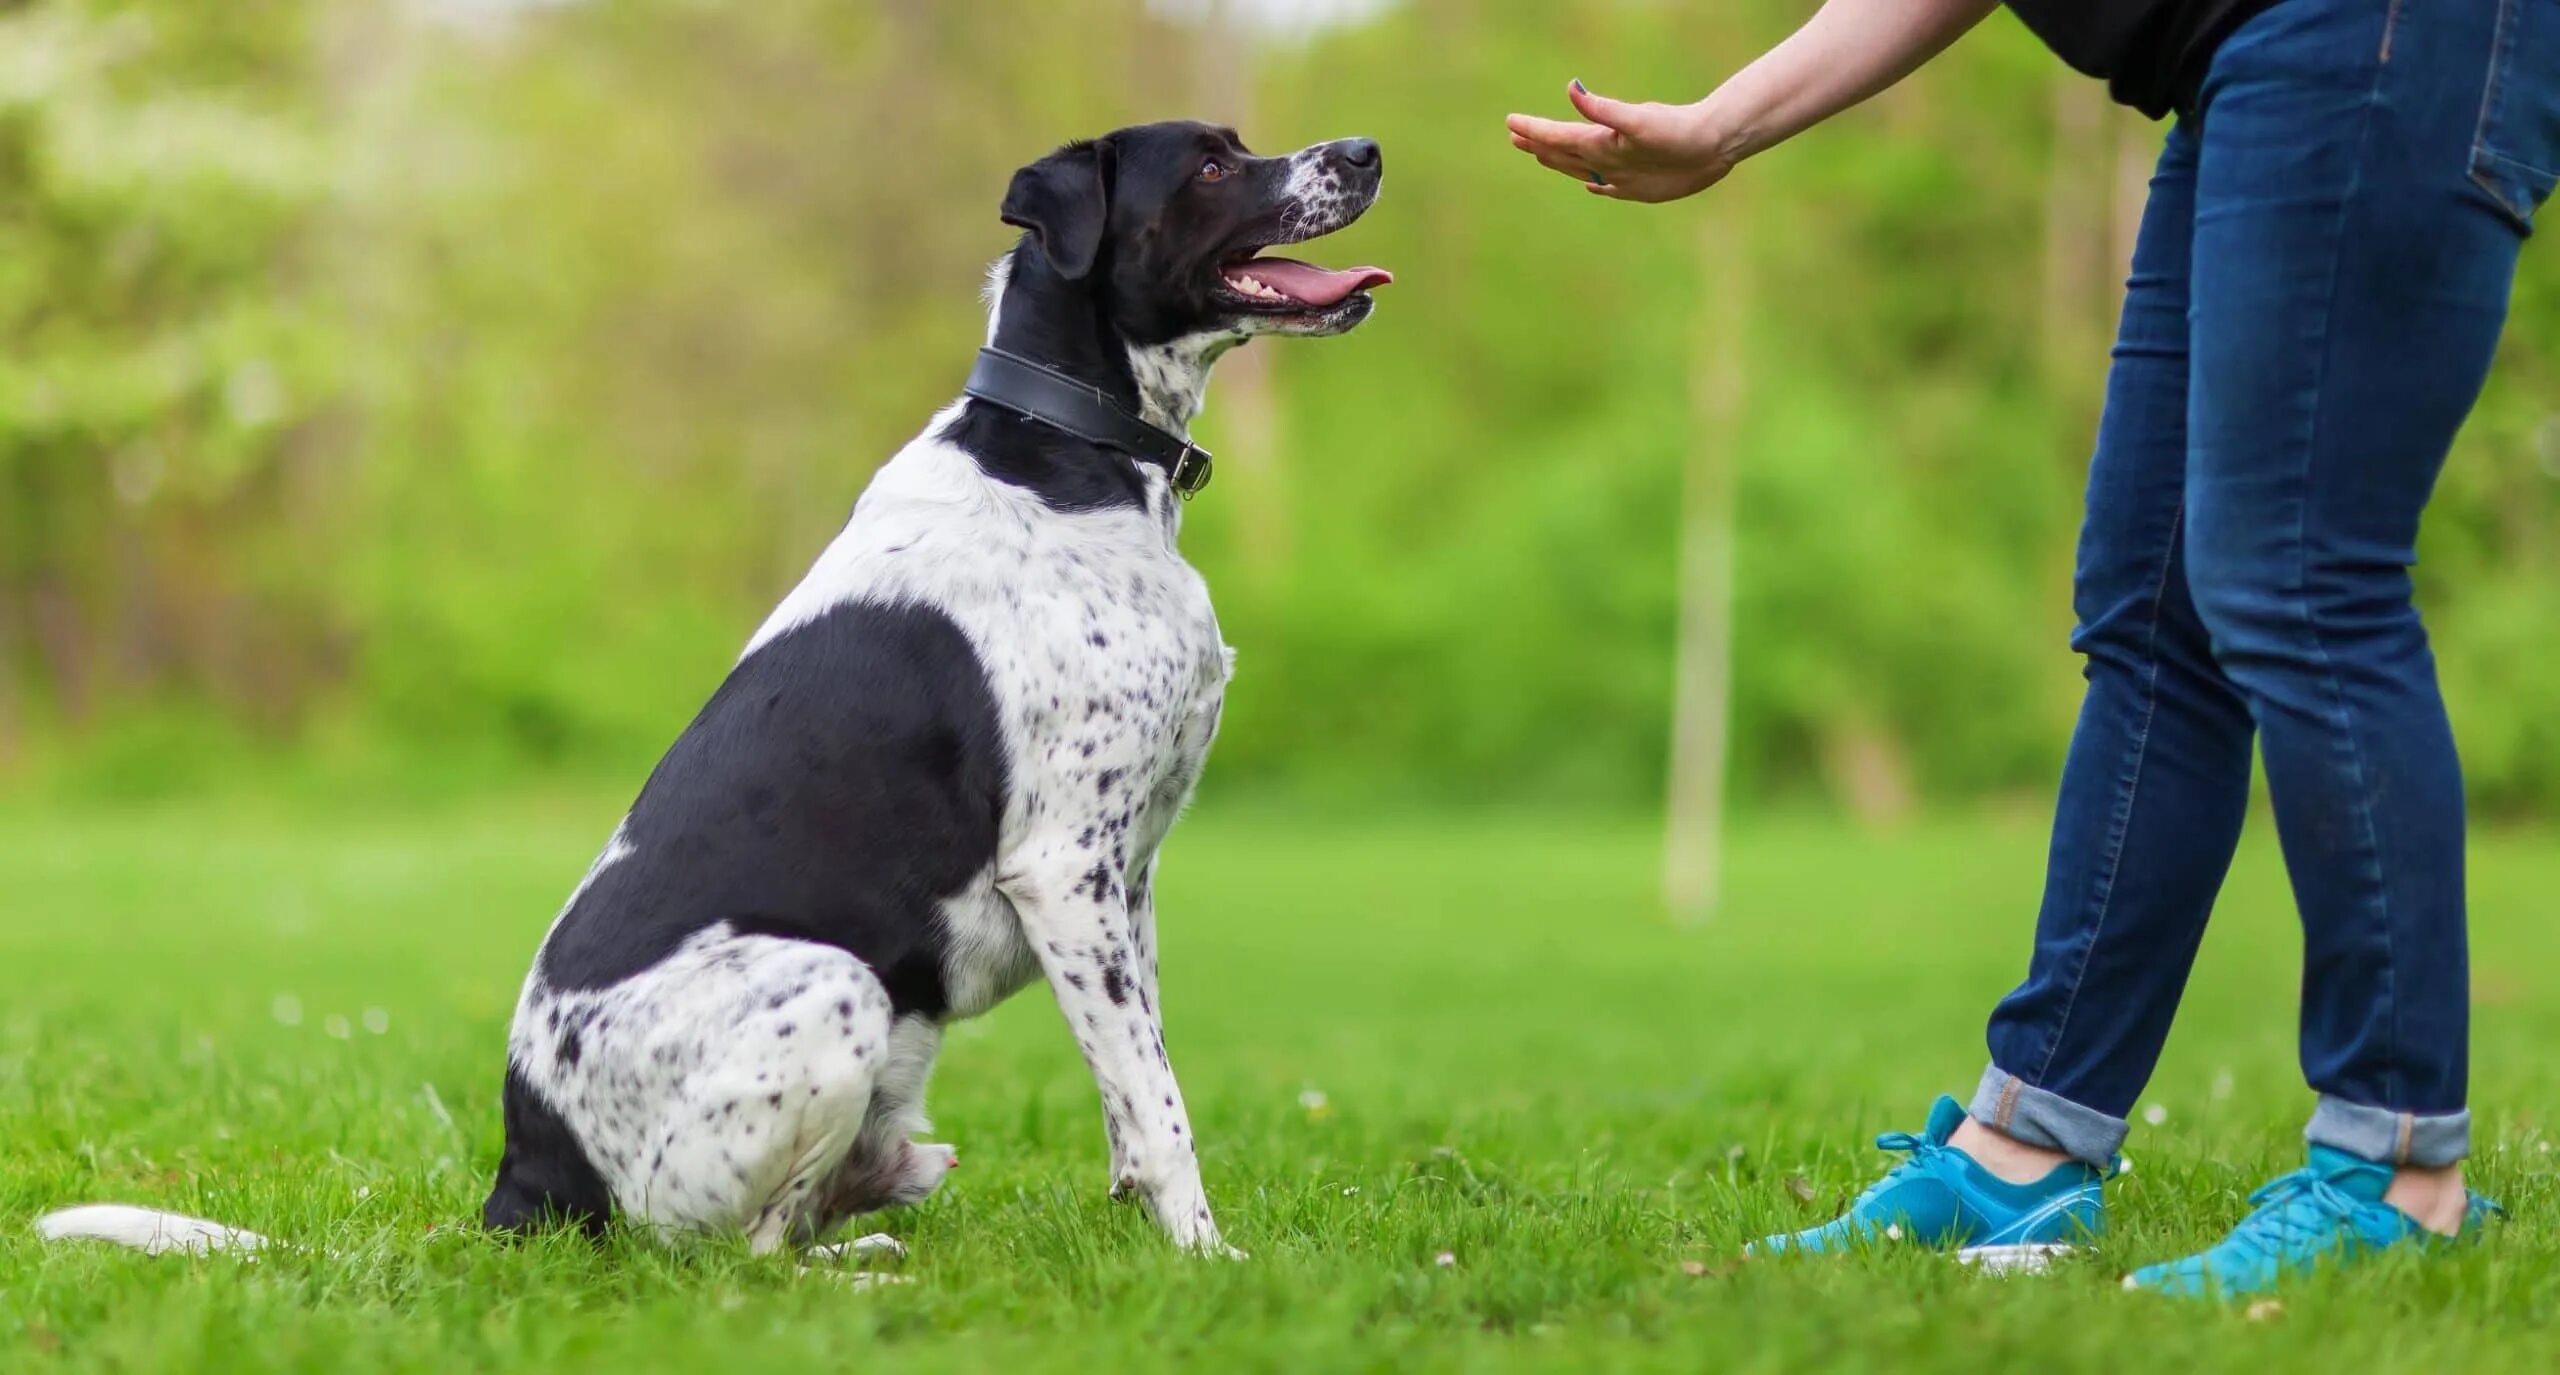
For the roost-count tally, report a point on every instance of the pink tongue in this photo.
(1308, 284)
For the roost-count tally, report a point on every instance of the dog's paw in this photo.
(898, 1176)
(1187, 1224)
(860, 1249)
(926, 1165)
(1209, 1246)
(855, 1279)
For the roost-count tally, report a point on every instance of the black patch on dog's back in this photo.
(544, 1179)
(846, 779)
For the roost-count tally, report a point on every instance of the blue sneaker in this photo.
(1942, 1200)
(2329, 1212)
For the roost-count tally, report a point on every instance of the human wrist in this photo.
(1720, 132)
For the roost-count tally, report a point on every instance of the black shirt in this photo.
(2151, 53)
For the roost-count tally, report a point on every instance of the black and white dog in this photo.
(945, 764)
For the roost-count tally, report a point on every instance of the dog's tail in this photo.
(146, 1230)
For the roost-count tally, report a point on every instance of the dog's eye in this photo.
(1213, 170)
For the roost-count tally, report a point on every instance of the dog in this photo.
(942, 768)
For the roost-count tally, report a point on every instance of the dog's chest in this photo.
(1115, 654)
(1106, 660)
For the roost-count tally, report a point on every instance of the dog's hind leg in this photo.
(787, 1041)
(887, 1167)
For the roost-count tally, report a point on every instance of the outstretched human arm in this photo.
(1849, 50)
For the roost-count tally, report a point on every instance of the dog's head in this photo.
(1166, 225)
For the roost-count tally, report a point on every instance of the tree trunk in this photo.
(2075, 235)
(1702, 694)
(2137, 150)
(1245, 395)
(12, 713)
(63, 644)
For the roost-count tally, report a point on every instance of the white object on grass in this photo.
(146, 1230)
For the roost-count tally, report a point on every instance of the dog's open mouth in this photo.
(1288, 286)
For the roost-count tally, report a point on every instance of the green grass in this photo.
(1522, 1065)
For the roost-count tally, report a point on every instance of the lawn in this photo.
(1463, 1093)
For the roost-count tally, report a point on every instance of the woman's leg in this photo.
(2157, 782)
(2152, 800)
(2351, 279)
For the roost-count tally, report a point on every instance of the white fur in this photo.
(717, 1090)
(1318, 202)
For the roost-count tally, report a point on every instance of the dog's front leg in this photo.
(1142, 972)
(1101, 969)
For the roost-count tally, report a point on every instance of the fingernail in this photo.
(1579, 87)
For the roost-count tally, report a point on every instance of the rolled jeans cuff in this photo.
(2388, 1137)
(2021, 1111)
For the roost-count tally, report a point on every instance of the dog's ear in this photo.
(1064, 200)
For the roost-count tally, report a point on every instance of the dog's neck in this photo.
(1033, 313)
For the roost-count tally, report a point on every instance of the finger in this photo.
(1538, 126)
(1542, 145)
(1563, 133)
(1562, 159)
(1568, 166)
(1526, 146)
(1579, 154)
(1601, 110)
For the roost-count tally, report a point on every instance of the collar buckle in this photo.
(1190, 470)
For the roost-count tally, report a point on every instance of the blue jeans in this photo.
(2318, 286)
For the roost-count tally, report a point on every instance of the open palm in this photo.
(1629, 152)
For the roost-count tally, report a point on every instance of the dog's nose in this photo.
(1361, 152)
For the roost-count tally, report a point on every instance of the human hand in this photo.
(1649, 152)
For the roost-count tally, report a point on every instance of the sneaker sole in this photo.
(2013, 1260)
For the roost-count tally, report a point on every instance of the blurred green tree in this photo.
(439, 391)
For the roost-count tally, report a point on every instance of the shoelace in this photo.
(2298, 1208)
(1921, 1149)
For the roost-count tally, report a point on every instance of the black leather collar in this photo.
(1061, 402)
